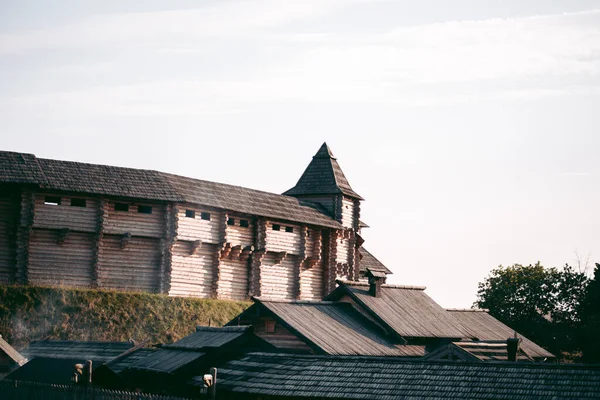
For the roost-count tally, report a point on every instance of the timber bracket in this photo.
(125, 239)
(62, 236)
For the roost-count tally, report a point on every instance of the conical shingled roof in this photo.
(323, 176)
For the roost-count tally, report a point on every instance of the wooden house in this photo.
(10, 358)
(84, 225)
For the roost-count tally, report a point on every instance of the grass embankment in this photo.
(29, 313)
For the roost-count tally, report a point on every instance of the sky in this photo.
(471, 128)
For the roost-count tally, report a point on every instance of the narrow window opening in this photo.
(190, 214)
(78, 202)
(230, 221)
(269, 326)
(145, 209)
(307, 233)
(276, 227)
(121, 207)
(289, 229)
(52, 200)
(205, 216)
(244, 223)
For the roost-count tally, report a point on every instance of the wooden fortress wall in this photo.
(82, 240)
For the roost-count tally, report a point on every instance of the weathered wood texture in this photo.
(260, 237)
(192, 269)
(312, 273)
(9, 213)
(196, 228)
(233, 279)
(348, 214)
(281, 337)
(281, 240)
(135, 267)
(240, 235)
(69, 263)
(26, 214)
(278, 277)
(166, 246)
(135, 222)
(325, 203)
(64, 215)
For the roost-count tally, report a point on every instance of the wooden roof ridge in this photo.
(323, 175)
(11, 352)
(236, 329)
(269, 300)
(468, 310)
(385, 285)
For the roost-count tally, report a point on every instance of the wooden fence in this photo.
(13, 390)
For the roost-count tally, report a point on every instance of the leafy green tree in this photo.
(590, 315)
(540, 303)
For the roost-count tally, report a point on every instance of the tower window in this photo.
(276, 227)
(205, 216)
(244, 223)
(190, 213)
(289, 229)
(269, 326)
(121, 207)
(230, 221)
(52, 200)
(145, 209)
(78, 203)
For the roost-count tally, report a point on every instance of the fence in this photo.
(13, 390)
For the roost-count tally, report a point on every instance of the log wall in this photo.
(348, 213)
(9, 214)
(134, 267)
(278, 277)
(196, 228)
(64, 215)
(24, 230)
(282, 338)
(53, 261)
(133, 221)
(280, 240)
(240, 235)
(192, 269)
(233, 279)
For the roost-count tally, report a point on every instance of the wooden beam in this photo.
(25, 228)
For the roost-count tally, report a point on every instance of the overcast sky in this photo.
(471, 128)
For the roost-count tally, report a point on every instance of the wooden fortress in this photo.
(97, 226)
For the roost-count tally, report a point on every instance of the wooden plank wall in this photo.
(233, 279)
(135, 267)
(282, 338)
(25, 223)
(81, 219)
(53, 263)
(239, 235)
(348, 214)
(134, 222)
(281, 240)
(197, 228)
(192, 270)
(278, 279)
(9, 213)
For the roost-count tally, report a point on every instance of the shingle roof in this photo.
(119, 364)
(323, 176)
(153, 185)
(96, 351)
(11, 352)
(391, 378)
(338, 329)
(368, 261)
(475, 351)
(166, 360)
(481, 325)
(206, 336)
(49, 370)
(405, 309)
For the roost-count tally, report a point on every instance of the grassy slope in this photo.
(29, 313)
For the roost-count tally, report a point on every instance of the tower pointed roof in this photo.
(323, 176)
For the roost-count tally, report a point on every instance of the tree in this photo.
(541, 303)
(590, 316)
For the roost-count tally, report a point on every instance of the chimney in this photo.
(512, 346)
(375, 282)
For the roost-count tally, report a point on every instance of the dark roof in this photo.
(323, 176)
(338, 329)
(96, 351)
(153, 185)
(121, 363)
(481, 325)
(392, 378)
(368, 261)
(166, 360)
(475, 351)
(405, 309)
(20, 168)
(210, 337)
(48, 370)
(11, 352)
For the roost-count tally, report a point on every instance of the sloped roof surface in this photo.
(405, 309)
(153, 185)
(48, 370)
(96, 351)
(121, 363)
(391, 378)
(166, 360)
(206, 336)
(490, 351)
(323, 176)
(481, 325)
(338, 329)
(11, 352)
(368, 261)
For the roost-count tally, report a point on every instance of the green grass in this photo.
(29, 313)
